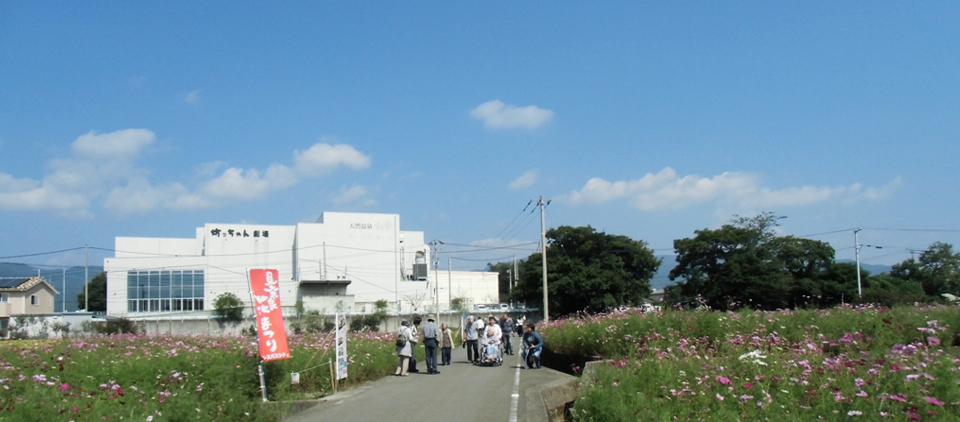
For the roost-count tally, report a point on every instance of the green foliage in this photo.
(937, 270)
(754, 365)
(745, 264)
(312, 322)
(372, 321)
(503, 280)
(120, 378)
(588, 271)
(228, 307)
(111, 327)
(97, 287)
(298, 308)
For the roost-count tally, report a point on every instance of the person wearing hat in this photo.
(431, 339)
(404, 352)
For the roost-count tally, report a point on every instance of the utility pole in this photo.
(63, 294)
(543, 255)
(86, 278)
(856, 241)
(435, 247)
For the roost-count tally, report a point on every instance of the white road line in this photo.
(515, 396)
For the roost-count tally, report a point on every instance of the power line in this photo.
(514, 219)
(913, 230)
(41, 253)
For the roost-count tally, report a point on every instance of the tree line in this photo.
(741, 264)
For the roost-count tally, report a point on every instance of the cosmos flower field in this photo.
(846, 363)
(176, 378)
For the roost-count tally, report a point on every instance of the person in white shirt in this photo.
(492, 325)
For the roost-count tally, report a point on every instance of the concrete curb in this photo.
(558, 395)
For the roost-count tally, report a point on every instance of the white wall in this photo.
(369, 250)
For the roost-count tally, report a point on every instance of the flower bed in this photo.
(842, 363)
(126, 377)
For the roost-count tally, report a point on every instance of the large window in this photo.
(164, 291)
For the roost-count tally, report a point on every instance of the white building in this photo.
(344, 261)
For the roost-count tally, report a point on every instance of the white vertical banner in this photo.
(341, 339)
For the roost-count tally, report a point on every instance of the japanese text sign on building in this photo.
(271, 333)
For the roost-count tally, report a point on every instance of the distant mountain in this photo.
(873, 269)
(73, 277)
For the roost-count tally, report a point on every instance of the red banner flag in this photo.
(271, 333)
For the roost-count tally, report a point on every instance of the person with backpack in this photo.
(404, 348)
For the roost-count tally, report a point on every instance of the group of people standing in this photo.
(476, 333)
(490, 333)
(434, 337)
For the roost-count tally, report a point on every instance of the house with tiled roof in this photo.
(25, 296)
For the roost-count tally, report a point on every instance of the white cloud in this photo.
(525, 180)
(237, 183)
(11, 184)
(192, 98)
(497, 115)
(666, 190)
(127, 142)
(103, 168)
(353, 195)
(323, 157)
(140, 196)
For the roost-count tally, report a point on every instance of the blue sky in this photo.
(650, 120)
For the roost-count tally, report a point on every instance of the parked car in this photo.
(504, 307)
(481, 308)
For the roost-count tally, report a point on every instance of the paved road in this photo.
(461, 392)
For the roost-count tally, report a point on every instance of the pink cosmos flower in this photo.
(933, 401)
(723, 380)
(64, 387)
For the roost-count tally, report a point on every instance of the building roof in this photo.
(22, 284)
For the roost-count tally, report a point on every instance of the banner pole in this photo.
(256, 333)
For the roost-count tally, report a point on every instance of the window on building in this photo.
(165, 291)
(34, 300)
(4, 297)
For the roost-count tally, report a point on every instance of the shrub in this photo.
(228, 307)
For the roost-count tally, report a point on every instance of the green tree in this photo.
(588, 271)
(744, 263)
(503, 269)
(97, 287)
(228, 307)
(937, 270)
